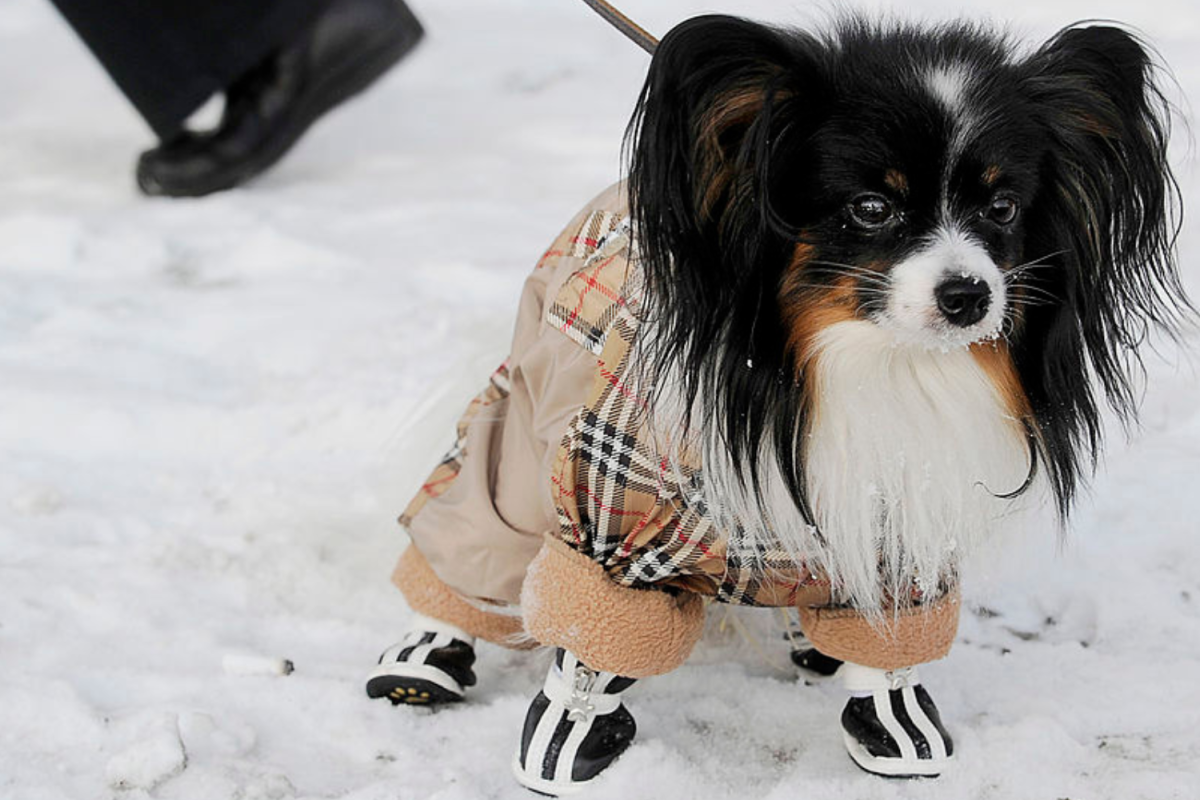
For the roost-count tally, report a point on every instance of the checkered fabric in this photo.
(451, 464)
(621, 505)
(589, 302)
(616, 501)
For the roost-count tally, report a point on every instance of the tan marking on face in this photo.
(995, 359)
(991, 175)
(896, 181)
(809, 309)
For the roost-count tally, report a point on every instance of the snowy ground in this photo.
(207, 427)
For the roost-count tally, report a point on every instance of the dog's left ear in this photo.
(1111, 196)
(1105, 220)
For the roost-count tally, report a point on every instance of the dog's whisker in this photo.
(857, 274)
(1031, 302)
(1036, 291)
(826, 287)
(1034, 304)
(1024, 268)
(1033, 264)
(850, 267)
(1041, 259)
(1027, 285)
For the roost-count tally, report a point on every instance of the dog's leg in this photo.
(606, 636)
(575, 727)
(431, 664)
(891, 725)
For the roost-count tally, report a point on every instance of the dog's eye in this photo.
(1003, 210)
(871, 210)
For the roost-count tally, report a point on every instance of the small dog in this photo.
(846, 309)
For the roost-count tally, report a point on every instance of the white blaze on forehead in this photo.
(948, 83)
(912, 312)
(950, 86)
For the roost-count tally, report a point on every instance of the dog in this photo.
(862, 292)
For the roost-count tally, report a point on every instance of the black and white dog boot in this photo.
(891, 726)
(430, 665)
(576, 726)
(816, 665)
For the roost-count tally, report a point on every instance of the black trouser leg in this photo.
(169, 57)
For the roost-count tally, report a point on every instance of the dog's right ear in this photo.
(725, 102)
(701, 133)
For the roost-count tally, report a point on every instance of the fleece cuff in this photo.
(427, 594)
(911, 636)
(570, 602)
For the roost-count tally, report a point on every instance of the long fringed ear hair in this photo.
(718, 112)
(1108, 212)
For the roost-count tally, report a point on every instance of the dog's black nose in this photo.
(963, 301)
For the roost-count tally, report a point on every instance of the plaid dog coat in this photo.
(552, 465)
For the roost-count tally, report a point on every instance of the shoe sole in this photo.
(540, 785)
(415, 685)
(327, 93)
(894, 767)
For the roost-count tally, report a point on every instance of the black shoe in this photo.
(431, 665)
(896, 730)
(349, 45)
(575, 728)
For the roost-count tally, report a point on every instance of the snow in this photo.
(211, 412)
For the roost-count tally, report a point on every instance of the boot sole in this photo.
(540, 785)
(894, 767)
(416, 685)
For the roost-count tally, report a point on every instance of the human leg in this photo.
(268, 108)
(281, 65)
(169, 58)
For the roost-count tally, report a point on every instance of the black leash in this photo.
(624, 24)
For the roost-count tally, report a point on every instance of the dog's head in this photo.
(935, 183)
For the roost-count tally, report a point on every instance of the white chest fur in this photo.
(906, 453)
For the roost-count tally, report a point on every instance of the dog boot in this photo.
(891, 726)
(575, 728)
(808, 658)
(431, 664)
